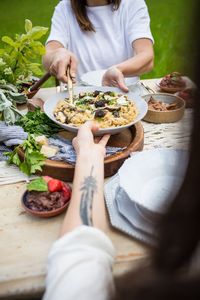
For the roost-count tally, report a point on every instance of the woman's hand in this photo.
(57, 59)
(84, 142)
(114, 77)
(62, 58)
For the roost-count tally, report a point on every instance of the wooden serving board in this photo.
(131, 138)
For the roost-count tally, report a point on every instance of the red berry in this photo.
(66, 191)
(55, 185)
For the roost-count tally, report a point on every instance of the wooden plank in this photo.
(26, 241)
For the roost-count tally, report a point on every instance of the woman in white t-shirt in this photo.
(100, 34)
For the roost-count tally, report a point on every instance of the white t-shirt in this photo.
(115, 31)
(80, 266)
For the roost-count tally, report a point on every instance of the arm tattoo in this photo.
(89, 187)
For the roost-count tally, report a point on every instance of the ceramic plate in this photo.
(117, 219)
(51, 103)
(129, 210)
(94, 78)
(152, 178)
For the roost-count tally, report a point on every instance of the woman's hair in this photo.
(79, 9)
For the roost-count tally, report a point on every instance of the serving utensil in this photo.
(149, 90)
(70, 86)
(40, 82)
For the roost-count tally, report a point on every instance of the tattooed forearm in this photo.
(88, 189)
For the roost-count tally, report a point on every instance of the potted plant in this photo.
(18, 64)
(19, 57)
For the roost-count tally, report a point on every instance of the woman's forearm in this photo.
(136, 66)
(141, 62)
(51, 48)
(87, 203)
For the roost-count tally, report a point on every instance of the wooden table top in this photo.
(26, 241)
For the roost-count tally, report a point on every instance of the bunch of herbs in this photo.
(38, 123)
(33, 159)
(9, 98)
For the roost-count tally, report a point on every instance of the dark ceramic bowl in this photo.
(42, 214)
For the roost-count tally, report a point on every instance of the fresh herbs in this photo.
(38, 184)
(18, 58)
(9, 97)
(38, 123)
(33, 159)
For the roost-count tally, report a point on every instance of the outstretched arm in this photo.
(87, 203)
(139, 64)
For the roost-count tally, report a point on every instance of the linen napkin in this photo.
(12, 135)
(67, 152)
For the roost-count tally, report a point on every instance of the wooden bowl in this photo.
(170, 116)
(42, 214)
(132, 139)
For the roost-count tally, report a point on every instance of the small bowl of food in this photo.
(109, 107)
(172, 83)
(46, 197)
(164, 108)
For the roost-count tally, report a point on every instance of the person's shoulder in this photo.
(132, 4)
(63, 4)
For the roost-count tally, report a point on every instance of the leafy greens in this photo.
(38, 123)
(33, 159)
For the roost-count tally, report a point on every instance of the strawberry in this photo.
(66, 191)
(55, 185)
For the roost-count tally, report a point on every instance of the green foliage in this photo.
(19, 56)
(9, 97)
(38, 123)
(38, 184)
(33, 159)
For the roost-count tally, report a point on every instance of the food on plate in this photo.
(46, 149)
(41, 140)
(109, 109)
(161, 106)
(188, 95)
(173, 80)
(49, 151)
(47, 194)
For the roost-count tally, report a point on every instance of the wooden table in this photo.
(26, 241)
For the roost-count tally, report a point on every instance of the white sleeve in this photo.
(138, 23)
(59, 25)
(80, 266)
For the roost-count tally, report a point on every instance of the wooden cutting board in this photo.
(131, 138)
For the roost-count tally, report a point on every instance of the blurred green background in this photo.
(171, 24)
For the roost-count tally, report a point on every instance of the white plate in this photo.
(152, 178)
(118, 220)
(51, 103)
(94, 78)
(129, 210)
